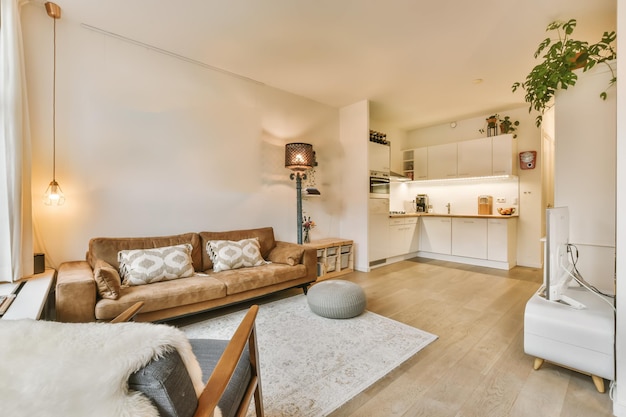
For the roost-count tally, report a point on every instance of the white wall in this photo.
(354, 177)
(528, 139)
(584, 172)
(151, 145)
(619, 408)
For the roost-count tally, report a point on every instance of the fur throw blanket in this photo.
(82, 369)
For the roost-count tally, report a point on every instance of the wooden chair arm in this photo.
(129, 313)
(218, 381)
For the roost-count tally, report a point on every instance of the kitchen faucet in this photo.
(448, 207)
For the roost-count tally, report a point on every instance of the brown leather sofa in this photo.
(79, 295)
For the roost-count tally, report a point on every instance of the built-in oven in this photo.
(379, 184)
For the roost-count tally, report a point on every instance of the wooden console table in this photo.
(31, 298)
(335, 257)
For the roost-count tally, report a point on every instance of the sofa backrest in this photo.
(265, 235)
(106, 248)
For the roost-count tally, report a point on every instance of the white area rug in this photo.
(311, 365)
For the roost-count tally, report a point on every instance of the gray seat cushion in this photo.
(208, 352)
(167, 384)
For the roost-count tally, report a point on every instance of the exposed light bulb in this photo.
(54, 195)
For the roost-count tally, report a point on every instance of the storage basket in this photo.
(345, 259)
(331, 263)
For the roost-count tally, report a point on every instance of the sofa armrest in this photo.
(309, 257)
(75, 293)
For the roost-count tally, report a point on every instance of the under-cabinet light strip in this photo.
(168, 53)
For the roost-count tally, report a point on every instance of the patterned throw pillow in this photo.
(145, 266)
(228, 254)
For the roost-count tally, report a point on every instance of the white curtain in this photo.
(16, 236)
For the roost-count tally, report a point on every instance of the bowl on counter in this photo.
(506, 211)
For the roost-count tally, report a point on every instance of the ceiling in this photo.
(417, 61)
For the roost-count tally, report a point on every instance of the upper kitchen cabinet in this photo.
(415, 163)
(442, 161)
(504, 155)
(379, 157)
(483, 157)
(474, 158)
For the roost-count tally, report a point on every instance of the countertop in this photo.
(486, 216)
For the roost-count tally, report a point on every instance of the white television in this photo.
(558, 267)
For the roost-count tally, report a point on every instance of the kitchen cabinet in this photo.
(435, 235)
(501, 240)
(469, 237)
(474, 240)
(483, 157)
(379, 157)
(442, 161)
(504, 155)
(474, 158)
(403, 235)
(415, 163)
(378, 230)
(408, 163)
(420, 156)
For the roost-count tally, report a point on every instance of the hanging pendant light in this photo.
(54, 195)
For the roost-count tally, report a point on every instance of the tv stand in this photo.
(579, 339)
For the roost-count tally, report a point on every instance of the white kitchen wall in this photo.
(529, 225)
(461, 194)
(151, 145)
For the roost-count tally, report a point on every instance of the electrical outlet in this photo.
(500, 200)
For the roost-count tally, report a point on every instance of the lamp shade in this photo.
(299, 157)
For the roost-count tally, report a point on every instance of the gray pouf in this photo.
(336, 299)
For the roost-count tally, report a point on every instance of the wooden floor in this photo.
(477, 367)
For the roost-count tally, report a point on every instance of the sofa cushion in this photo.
(106, 248)
(286, 254)
(245, 279)
(163, 295)
(146, 266)
(265, 235)
(228, 254)
(107, 279)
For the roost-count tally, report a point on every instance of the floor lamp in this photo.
(299, 158)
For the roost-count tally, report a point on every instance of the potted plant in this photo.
(492, 123)
(561, 57)
(508, 126)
